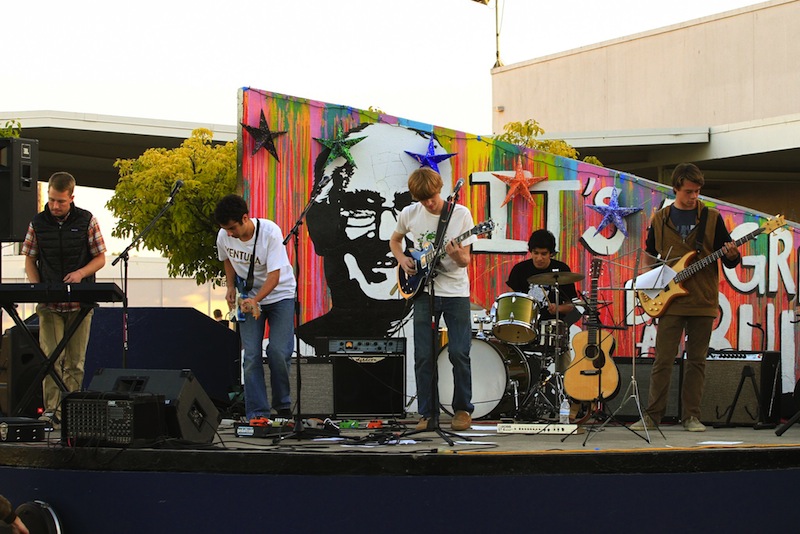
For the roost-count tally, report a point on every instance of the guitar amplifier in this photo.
(755, 375)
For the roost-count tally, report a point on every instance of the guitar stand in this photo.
(747, 372)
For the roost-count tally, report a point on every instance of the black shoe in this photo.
(285, 412)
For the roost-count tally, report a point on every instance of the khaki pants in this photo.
(668, 337)
(69, 365)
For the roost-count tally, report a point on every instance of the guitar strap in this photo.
(248, 285)
(443, 219)
(701, 229)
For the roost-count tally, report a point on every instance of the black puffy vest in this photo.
(63, 246)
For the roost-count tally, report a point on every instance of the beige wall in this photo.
(734, 67)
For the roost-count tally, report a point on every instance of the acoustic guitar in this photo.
(657, 306)
(593, 375)
(409, 285)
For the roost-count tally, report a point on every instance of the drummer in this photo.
(542, 246)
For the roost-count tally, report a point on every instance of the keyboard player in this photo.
(63, 245)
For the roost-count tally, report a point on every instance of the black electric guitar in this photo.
(657, 306)
(593, 375)
(409, 285)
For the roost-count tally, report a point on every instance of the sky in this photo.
(425, 60)
(184, 60)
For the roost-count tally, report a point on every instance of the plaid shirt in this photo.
(97, 246)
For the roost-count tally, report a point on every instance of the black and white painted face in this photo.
(356, 212)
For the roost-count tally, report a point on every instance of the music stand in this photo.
(632, 391)
(433, 421)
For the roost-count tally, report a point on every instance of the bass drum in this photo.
(500, 379)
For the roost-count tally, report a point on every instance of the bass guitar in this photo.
(409, 285)
(593, 375)
(239, 312)
(657, 306)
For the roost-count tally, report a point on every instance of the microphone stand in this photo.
(433, 421)
(125, 257)
(298, 432)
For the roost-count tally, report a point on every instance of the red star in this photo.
(520, 184)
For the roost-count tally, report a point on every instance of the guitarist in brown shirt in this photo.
(678, 230)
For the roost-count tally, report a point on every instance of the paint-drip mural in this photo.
(344, 172)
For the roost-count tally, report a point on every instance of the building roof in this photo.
(87, 145)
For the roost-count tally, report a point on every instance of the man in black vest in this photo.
(63, 245)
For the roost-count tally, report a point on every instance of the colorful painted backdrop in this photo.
(349, 165)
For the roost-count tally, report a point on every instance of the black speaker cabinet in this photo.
(725, 371)
(189, 412)
(19, 173)
(644, 366)
(19, 365)
(349, 386)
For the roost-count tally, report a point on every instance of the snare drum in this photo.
(553, 334)
(500, 379)
(514, 317)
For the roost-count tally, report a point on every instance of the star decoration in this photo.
(339, 146)
(431, 159)
(262, 136)
(613, 214)
(520, 184)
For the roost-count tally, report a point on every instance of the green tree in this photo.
(186, 234)
(12, 128)
(526, 134)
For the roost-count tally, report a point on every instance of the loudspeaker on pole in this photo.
(19, 174)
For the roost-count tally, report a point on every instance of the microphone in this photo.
(175, 189)
(457, 188)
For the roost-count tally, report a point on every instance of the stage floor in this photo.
(612, 448)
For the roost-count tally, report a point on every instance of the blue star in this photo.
(430, 159)
(613, 214)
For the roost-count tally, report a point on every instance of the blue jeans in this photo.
(459, 330)
(280, 317)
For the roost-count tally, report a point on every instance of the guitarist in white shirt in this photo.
(673, 233)
(419, 222)
(256, 246)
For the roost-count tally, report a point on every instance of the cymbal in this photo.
(549, 279)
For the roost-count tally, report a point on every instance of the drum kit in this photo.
(514, 355)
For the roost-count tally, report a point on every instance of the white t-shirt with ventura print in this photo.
(419, 225)
(270, 255)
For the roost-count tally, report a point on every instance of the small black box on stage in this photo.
(21, 429)
(103, 419)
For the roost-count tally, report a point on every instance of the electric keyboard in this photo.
(43, 292)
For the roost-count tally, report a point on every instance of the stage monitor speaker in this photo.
(369, 385)
(19, 174)
(190, 415)
(725, 371)
(19, 365)
(644, 366)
